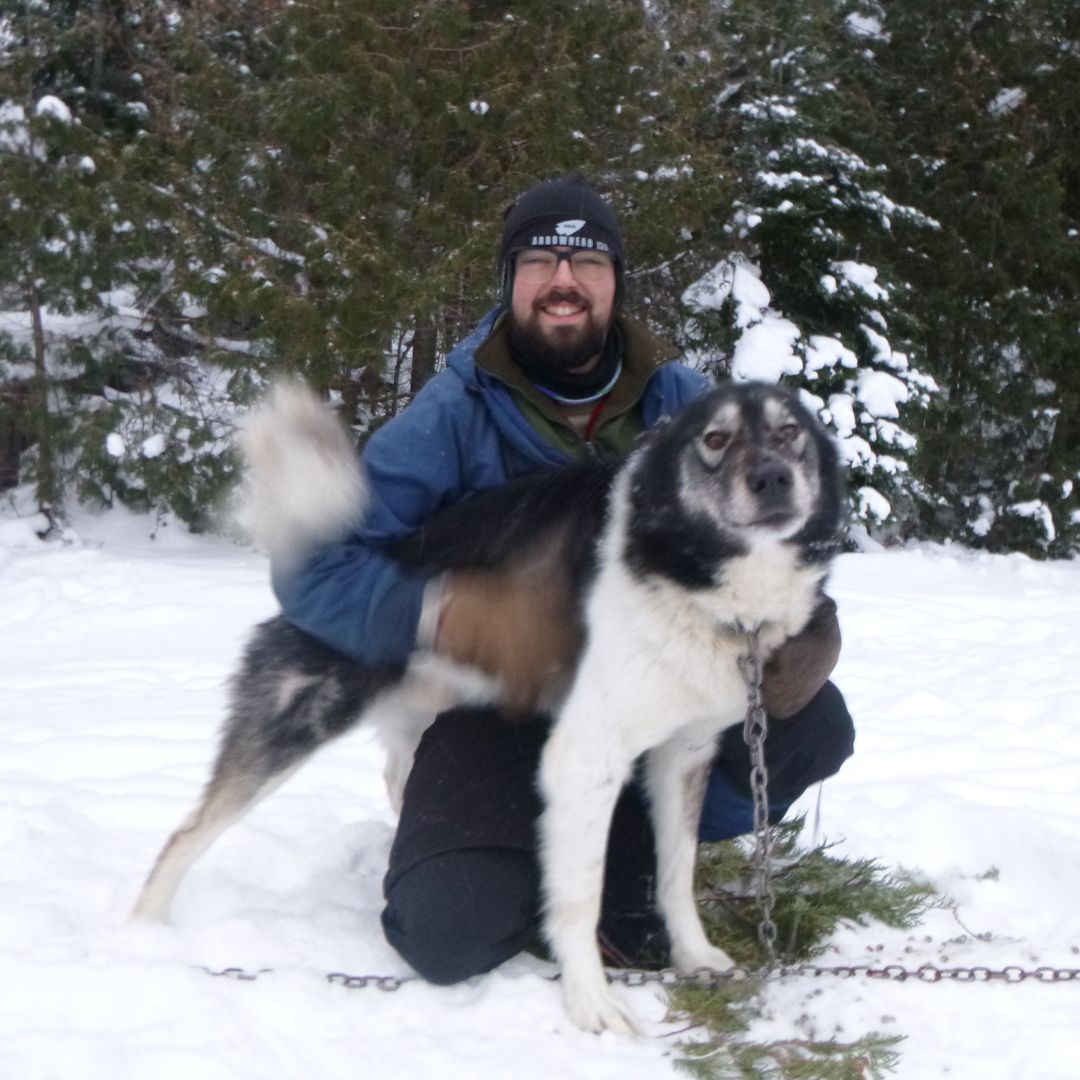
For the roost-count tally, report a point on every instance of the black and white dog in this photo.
(722, 521)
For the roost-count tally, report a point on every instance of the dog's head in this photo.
(754, 460)
(744, 464)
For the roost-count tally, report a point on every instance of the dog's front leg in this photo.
(677, 772)
(582, 773)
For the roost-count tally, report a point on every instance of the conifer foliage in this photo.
(877, 204)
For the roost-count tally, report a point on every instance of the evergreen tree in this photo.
(852, 197)
(982, 100)
(56, 213)
(390, 140)
(83, 234)
(805, 286)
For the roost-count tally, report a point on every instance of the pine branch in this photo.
(815, 891)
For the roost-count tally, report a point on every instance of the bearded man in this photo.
(554, 373)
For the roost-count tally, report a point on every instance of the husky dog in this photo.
(721, 522)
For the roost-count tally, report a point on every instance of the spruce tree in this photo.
(86, 243)
(978, 102)
(882, 194)
(804, 285)
(388, 144)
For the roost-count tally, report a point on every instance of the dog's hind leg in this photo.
(289, 697)
(229, 795)
(676, 774)
(268, 736)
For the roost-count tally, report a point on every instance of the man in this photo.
(555, 373)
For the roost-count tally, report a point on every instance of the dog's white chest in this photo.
(668, 659)
(765, 588)
(679, 651)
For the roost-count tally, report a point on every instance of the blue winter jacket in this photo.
(461, 434)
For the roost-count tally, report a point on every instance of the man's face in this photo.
(562, 316)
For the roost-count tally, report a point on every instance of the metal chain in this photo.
(362, 982)
(707, 979)
(755, 731)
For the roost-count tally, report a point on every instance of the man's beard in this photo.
(563, 348)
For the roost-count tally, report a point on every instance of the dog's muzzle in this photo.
(771, 482)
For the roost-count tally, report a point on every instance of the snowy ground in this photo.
(963, 673)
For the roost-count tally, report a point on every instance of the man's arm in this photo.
(803, 664)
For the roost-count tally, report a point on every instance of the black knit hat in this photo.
(559, 213)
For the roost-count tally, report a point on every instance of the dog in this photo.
(721, 522)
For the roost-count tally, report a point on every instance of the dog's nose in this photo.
(770, 479)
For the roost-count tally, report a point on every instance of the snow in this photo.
(855, 450)
(878, 343)
(54, 108)
(751, 296)
(14, 136)
(866, 26)
(117, 313)
(959, 668)
(880, 393)
(154, 446)
(712, 289)
(861, 278)
(767, 348)
(1037, 510)
(826, 352)
(766, 351)
(872, 504)
(1006, 100)
(842, 414)
(735, 278)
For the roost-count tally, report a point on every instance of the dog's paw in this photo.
(153, 903)
(592, 1007)
(687, 961)
(149, 911)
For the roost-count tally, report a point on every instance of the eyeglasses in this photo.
(537, 266)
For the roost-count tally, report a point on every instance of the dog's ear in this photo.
(825, 534)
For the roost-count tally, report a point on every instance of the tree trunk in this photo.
(16, 428)
(424, 351)
(46, 470)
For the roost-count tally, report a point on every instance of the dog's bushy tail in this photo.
(304, 485)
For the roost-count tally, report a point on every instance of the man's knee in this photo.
(831, 729)
(460, 914)
(799, 751)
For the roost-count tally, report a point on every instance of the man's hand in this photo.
(517, 628)
(803, 664)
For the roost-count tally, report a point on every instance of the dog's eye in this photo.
(716, 440)
(787, 432)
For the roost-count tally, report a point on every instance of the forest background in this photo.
(878, 204)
